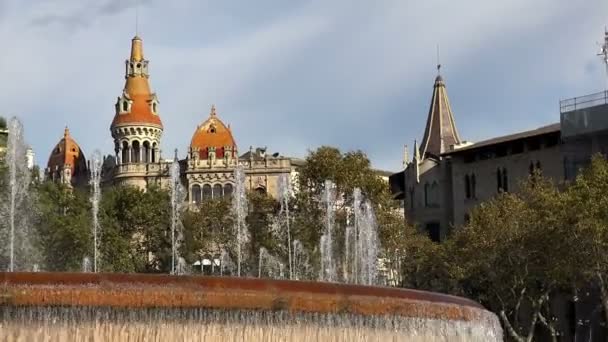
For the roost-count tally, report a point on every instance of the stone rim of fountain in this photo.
(164, 291)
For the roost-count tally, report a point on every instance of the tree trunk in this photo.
(509, 327)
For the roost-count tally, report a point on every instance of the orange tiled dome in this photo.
(137, 90)
(213, 133)
(67, 152)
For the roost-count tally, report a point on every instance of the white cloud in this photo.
(296, 75)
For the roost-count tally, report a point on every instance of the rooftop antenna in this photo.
(136, 17)
(604, 53)
(438, 64)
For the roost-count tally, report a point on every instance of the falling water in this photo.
(328, 267)
(15, 207)
(177, 197)
(156, 324)
(284, 196)
(95, 179)
(239, 208)
(271, 264)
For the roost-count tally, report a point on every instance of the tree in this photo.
(207, 230)
(63, 227)
(135, 234)
(587, 204)
(516, 250)
(347, 171)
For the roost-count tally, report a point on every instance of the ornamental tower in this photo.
(136, 128)
(440, 132)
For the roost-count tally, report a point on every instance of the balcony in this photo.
(584, 115)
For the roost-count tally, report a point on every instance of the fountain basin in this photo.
(82, 306)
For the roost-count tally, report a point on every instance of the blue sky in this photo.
(295, 75)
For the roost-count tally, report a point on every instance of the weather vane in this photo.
(604, 53)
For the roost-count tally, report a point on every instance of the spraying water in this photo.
(15, 206)
(361, 244)
(239, 209)
(96, 161)
(177, 197)
(226, 263)
(364, 242)
(328, 267)
(284, 196)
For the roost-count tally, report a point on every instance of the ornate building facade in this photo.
(212, 156)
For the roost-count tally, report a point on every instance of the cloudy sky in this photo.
(294, 75)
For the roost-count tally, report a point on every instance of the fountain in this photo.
(328, 267)
(177, 198)
(361, 244)
(284, 196)
(95, 179)
(15, 207)
(239, 208)
(126, 307)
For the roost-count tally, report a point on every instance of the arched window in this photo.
(147, 150)
(217, 191)
(538, 167)
(125, 152)
(206, 192)
(135, 150)
(125, 106)
(505, 180)
(154, 152)
(473, 187)
(228, 190)
(197, 196)
(260, 190)
(467, 186)
(499, 186)
(426, 195)
(154, 107)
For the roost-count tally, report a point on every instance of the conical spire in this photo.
(440, 132)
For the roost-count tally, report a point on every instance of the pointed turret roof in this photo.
(440, 130)
(142, 109)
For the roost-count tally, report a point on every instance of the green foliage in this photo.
(207, 229)
(63, 227)
(3, 124)
(348, 171)
(136, 230)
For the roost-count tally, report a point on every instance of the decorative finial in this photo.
(416, 152)
(66, 132)
(406, 157)
(213, 113)
(175, 157)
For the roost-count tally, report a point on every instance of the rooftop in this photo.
(583, 102)
(552, 128)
